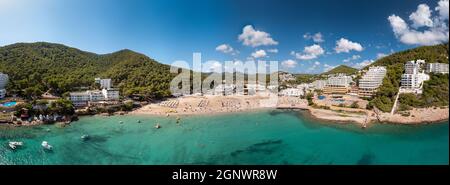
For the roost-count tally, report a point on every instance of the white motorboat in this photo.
(85, 137)
(13, 145)
(46, 145)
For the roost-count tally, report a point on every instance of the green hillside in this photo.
(435, 90)
(37, 67)
(341, 69)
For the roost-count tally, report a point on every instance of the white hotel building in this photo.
(370, 82)
(412, 80)
(81, 99)
(3, 81)
(104, 83)
(318, 84)
(437, 68)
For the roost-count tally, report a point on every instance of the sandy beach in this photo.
(208, 105)
(194, 105)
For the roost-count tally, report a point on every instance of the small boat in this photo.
(46, 145)
(121, 122)
(85, 137)
(47, 130)
(157, 126)
(13, 145)
(139, 121)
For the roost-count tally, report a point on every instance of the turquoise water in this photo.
(9, 104)
(267, 137)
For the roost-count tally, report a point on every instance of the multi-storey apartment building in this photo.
(412, 67)
(437, 68)
(81, 99)
(111, 94)
(413, 77)
(104, 83)
(338, 84)
(318, 84)
(370, 82)
(3, 81)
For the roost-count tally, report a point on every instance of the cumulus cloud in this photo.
(422, 17)
(272, 50)
(254, 38)
(259, 53)
(354, 57)
(435, 32)
(363, 64)
(309, 52)
(289, 63)
(442, 8)
(316, 37)
(344, 45)
(225, 48)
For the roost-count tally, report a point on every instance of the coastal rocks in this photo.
(417, 116)
(40, 120)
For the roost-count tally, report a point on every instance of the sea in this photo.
(267, 137)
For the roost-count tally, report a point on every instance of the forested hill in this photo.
(34, 68)
(436, 90)
(341, 69)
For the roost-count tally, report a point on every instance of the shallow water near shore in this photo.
(265, 137)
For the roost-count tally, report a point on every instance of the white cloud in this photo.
(435, 33)
(225, 48)
(309, 52)
(363, 64)
(381, 55)
(289, 63)
(272, 50)
(442, 8)
(316, 63)
(254, 38)
(316, 37)
(354, 57)
(398, 25)
(344, 45)
(259, 53)
(422, 16)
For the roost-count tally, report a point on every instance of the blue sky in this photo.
(309, 36)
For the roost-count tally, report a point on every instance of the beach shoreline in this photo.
(227, 105)
(334, 114)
